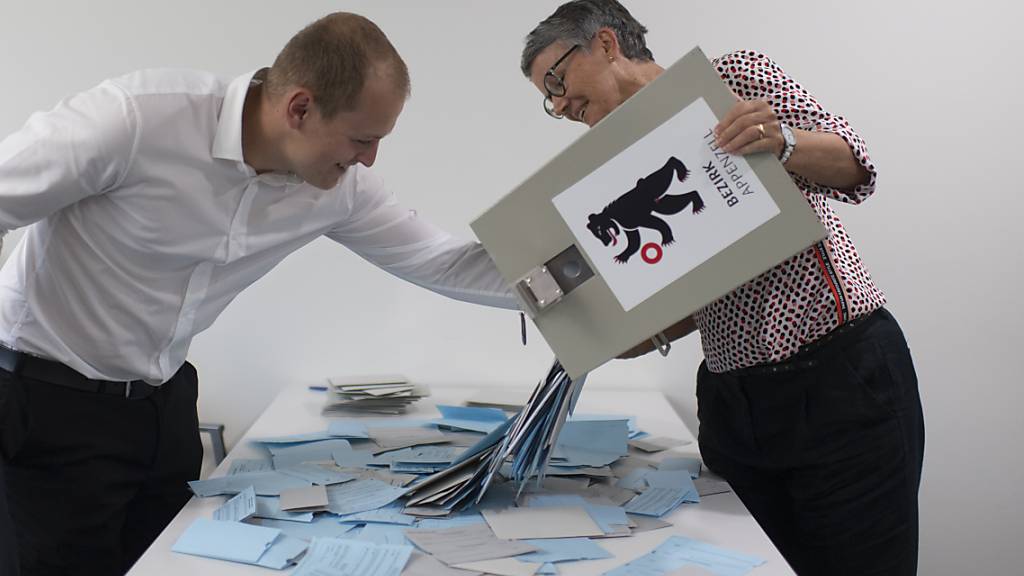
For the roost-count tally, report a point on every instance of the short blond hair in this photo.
(332, 58)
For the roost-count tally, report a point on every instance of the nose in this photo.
(368, 156)
(560, 104)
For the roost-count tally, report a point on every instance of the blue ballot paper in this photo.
(328, 556)
(316, 474)
(245, 466)
(361, 495)
(635, 479)
(383, 534)
(670, 479)
(476, 419)
(630, 421)
(691, 465)
(592, 442)
(452, 521)
(294, 439)
(678, 551)
(527, 439)
(321, 526)
(270, 507)
(428, 454)
(264, 483)
(351, 458)
(563, 550)
(656, 501)
(666, 489)
(226, 540)
(291, 454)
(283, 552)
(611, 519)
(416, 467)
(348, 429)
(391, 514)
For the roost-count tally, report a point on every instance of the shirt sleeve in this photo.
(398, 241)
(81, 148)
(752, 75)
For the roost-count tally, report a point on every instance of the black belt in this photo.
(808, 355)
(53, 372)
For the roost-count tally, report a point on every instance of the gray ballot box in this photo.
(643, 220)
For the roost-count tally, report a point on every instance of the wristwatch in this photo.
(790, 142)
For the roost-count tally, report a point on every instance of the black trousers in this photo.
(92, 479)
(8, 542)
(826, 451)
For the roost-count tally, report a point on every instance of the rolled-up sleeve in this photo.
(81, 148)
(752, 75)
(399, 242)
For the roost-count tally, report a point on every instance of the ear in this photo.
(606, 44)
(298, 107)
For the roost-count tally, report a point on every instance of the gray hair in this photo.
(577, 22)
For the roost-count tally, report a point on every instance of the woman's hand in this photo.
(750, 126)
(821, 157)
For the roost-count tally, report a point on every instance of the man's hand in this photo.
(674, 332)
(750, 126)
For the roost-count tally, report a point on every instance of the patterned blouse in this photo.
(767, 319)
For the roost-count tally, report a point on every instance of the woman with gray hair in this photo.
(807, 396)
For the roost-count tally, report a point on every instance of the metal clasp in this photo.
(546, 284)
(128, 390)
(661, 343)
(539, 288)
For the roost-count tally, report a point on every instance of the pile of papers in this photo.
(525, 443)
(377, 394)
(472, 491)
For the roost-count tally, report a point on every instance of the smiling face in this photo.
(320, 150)
(592, 77)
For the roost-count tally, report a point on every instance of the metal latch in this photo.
(546, 284)
(662, 343)
(541, 287)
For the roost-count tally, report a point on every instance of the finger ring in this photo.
(760, 128)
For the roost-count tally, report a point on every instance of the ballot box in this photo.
(643, 220)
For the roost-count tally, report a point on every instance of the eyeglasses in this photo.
(555, 85)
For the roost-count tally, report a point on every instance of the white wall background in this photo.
(933, 87)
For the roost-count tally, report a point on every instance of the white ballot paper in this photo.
(304, 499)
(331, 556)
(465, 544)
(554, 522)
(242, 506)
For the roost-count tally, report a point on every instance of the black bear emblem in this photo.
(637, 208)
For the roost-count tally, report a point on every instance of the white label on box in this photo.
(663, 206)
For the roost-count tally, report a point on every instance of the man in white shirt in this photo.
(153, 200)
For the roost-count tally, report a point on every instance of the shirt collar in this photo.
(227, 144)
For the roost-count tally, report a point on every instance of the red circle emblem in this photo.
(649, 247)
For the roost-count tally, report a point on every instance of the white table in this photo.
(719, 519)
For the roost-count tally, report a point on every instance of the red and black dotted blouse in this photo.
(767, 319)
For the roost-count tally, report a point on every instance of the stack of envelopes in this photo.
(526, 441)
(378, 394)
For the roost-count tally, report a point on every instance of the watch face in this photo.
(790, 139)
(787, 134)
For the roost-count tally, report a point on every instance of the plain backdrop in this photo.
(932, 87)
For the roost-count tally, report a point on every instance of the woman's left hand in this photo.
(750, 126)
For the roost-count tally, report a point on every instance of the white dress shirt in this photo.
(146, 222)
